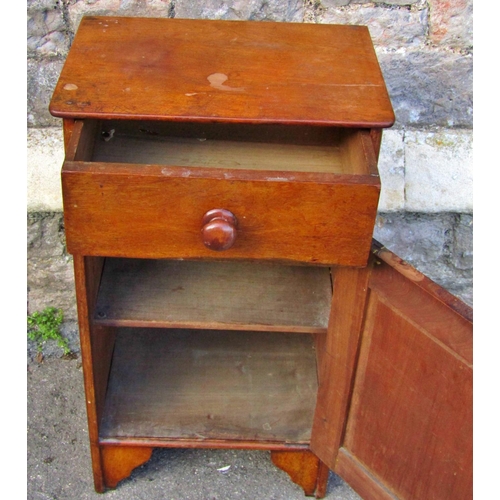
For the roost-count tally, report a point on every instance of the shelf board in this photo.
(205, 386)
(214, 295)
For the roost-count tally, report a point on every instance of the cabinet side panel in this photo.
(96, 347)
(410, 421)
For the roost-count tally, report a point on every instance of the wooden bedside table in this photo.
(220, 191)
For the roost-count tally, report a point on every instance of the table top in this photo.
(222, 71)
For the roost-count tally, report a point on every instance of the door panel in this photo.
(408, 432)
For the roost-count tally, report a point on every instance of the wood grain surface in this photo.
(97, 344)
(155, 211)
(304, 469)
(179, 69)
(119, 461)
(410, 421)
(215, 295)
(207, 385)
(337, 354)
(235, 146)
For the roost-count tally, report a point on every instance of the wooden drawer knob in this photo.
(218, 230)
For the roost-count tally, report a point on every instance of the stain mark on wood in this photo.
(217, 82)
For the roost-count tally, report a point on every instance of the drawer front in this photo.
(155, 212)
(146, 210)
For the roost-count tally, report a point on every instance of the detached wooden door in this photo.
(407, 399)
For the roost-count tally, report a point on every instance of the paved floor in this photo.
(59, 461)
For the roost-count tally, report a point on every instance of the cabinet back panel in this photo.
(206, 385)
(215, 295)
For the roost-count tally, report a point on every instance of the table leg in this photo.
(304, 469)
(118, 462)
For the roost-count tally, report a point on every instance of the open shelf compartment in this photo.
(214, 295)
(169, 387)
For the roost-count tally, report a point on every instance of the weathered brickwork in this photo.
(438, 173)
(438, 245)
(390, 28)
(140, 8)
(50, 273)
(429, 88)
(450, 23)
(47, 30)
(42, 77)
(255, 10)
(45, 157)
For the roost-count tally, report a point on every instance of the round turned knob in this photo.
(218, 230)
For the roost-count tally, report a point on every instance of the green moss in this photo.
(45, 325)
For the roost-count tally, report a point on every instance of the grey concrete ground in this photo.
(59, 459)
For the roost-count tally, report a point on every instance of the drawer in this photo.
(287, 193)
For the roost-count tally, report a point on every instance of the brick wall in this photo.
(425, 51)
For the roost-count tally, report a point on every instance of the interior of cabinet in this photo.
(265, 147)
(197, 385)
(215, 295)
(212, 352)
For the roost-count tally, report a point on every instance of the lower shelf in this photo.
(202, 386)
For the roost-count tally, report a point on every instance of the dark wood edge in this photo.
(82, 141)
(340, 356)
(357, 149)
(211, 326)
(74, 140)
(219, 119)
(322, 480)
(422, 281)
(205, 443)
(68, 125)
(84, 307)
(360, 479)
(83, 297)
(369, 151)
(376, 137)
